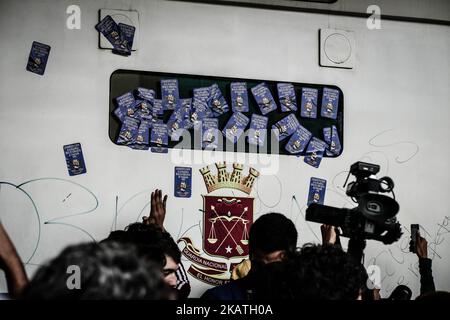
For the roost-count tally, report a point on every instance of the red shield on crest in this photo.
(226, 223)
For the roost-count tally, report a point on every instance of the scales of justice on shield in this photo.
(212, 237)
(227, 219)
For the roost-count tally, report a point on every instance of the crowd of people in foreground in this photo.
(144, 262)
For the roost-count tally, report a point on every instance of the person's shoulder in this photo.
(233, 290)
(4, 296)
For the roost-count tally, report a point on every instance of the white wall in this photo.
(400, 82)
(429, 9)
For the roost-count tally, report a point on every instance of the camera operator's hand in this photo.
(421, 246)
(376, 294)
(157, 211)
(10, 263)
(329, 234)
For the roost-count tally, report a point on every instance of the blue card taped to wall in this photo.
(314, 152)
(170, 94)
(298, 141)
(210, 133)
(37, 60)
(183, 182)
(235, 126)
(331, 137)
(217, 102)
(286, 127)
(264, 98)
(109, 28)
(258, 130)
(286, 95)
(74, 159)
(239, 97)
(330, 103)
(316, 190)
(159, 138)
(200, 104)
(127, 37)
(309, 103)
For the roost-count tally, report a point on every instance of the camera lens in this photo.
(373, 206)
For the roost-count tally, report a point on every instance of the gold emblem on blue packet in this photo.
(330, 103)
(314, 152)
(264, 98)
(286, 126)
(169, 94)
(308, 107)
(287, 97)
(74, 159)
(298, 141)
(235, 126)
(37, 60)
(258, 130)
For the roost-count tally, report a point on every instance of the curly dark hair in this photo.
(109, 270)
(314, 272)
(272, 232)
(327, 272)
(152, 243)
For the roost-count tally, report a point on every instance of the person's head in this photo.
(153, 244)
(401, 292)
(109, 270)
(325, 273)
(272, 237)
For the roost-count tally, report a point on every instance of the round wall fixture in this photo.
(337, 48)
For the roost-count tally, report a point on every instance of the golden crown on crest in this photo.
(224, 179)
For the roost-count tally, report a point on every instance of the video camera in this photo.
(374, 217)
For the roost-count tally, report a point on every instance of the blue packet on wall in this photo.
(316, 192)
(200, 104)
(330, 103)
(175, 130)
(286, 126)
(286, 96)
(210, 133)
(184, 114)
(126, 100)
(176, 124)
(145, 94)
(143, 136)
(183, 182)
(264, 98)
(109, 28)
(157, 108)
(127, 37)
(170, 94)
(37, 60)
(142, 110)
(217, 102)
(186, 107)
(314, 152)
(129, 130)
(120, 114)
(309, 103)
(331, 137)
(239, 97)
(235, 126)
(74, 159)
(159, 138)
(298, 141)
(258, 130)
(125, 106)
